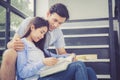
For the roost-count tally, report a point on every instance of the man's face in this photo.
(55, 20)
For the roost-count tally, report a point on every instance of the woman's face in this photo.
(37, 34)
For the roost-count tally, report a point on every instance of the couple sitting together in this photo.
(28, 53)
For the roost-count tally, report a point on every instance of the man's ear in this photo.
(48, 13)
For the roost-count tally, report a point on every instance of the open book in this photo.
(61, 65)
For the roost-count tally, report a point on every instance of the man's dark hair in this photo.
(60, 9)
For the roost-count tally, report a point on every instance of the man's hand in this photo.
(17, 44)
(50, 61)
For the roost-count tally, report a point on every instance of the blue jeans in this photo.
(91, 74)
(75, 71)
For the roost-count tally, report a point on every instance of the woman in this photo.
(31, 60)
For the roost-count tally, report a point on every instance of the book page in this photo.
(61, 65)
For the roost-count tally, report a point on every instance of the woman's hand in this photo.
(50, 61)
(74, 56)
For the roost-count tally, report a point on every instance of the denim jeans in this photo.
(91, 74)
(75, 71)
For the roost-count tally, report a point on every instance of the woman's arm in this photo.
(24, 68)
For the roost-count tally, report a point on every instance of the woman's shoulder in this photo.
(27, 43)
(23, 39)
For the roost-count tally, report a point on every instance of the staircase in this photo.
(2, 39)
(85, 38)
(90, 38)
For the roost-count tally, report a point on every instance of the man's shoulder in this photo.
(30, 17)
(57, 30)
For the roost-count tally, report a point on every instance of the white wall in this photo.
(41, 7)
(78, 9)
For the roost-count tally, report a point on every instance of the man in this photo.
(56, 15)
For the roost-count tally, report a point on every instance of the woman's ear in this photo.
(32, 27)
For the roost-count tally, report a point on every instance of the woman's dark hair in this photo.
(60, 9)
(38, 22)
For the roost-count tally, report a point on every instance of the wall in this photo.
(78, 9)
(41, 7)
